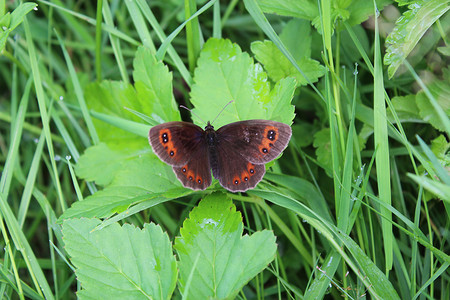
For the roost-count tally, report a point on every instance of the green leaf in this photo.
(322, 144)
(439, 189)
(445, 50)
(441, 92)
(299, 48)
(225, 73)
(280, 108)
(226, 260)
(440, 148)
(409, 29)
(405, 107)
(352, 11)
(278, 66)
(100, 163)
(110, 97)
(127, 170)
(120, 261)
(131, 164)
(121, 200)
(299, 9)
(154, 84)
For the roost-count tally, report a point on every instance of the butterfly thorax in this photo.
(212, 142)
(211, 136)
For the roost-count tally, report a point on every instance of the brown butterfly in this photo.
(236, 152)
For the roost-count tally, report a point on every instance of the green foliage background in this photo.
(356, 207)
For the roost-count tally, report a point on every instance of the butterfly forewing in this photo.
(182, 145)
(175, 142)
(258, 141)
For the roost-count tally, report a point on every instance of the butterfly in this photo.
(236, 153)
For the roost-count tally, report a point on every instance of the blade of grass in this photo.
(43, 109)
(8, 170)
(162, 37)
(435, 187)
(141, 28)
(92, 21)
(17, 127)
(372, 277)
(21, 243)
(31, 179)
(74, 179)
(163, 48)
(217, 24)
(79, 93)
(115, 43)
(13, 225)
(192, 34)
(382, 148)
(98, 40)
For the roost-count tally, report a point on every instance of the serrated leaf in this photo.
(128, 171)
(298, 47)
(226, 259)
(124, 162)
(405, 108)
(444, 50)
(441, 92)
(99, 164)
(280, 108)
(111, 98)
(120, 262)
(440, 147)
(299, 9)
(352, 11)
(153, 82)
(225, 73)
(409, 29)
(118, 199)
(278, 66)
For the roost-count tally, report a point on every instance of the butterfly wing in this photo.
(258, 141)
(234, 172)
(182, 145)
(242, 150)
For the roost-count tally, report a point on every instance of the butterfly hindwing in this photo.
(175, 143)
(258, 141)
(234, 172)
(196, 173)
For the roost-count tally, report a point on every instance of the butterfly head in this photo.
(209, 127)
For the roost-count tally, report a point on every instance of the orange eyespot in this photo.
(270, 136)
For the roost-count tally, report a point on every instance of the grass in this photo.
(362, 210)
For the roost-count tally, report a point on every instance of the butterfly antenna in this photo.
(222, 110)
(182, 106)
